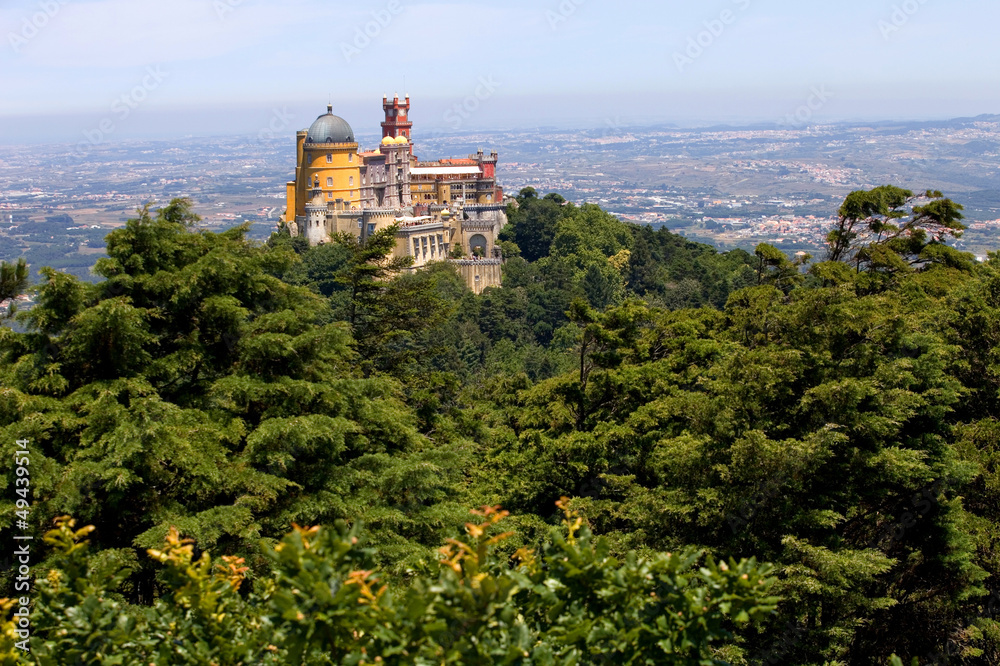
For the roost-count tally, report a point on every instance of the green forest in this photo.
(639, 450)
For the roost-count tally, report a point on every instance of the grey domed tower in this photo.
(330, 129)
(327, 152)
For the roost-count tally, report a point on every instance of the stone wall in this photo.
(480, 273)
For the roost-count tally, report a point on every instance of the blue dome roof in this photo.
(330, 129)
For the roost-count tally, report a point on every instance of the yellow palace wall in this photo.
(339, 175)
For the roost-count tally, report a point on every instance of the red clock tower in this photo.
(396, 122)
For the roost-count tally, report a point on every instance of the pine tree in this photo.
(13, 282)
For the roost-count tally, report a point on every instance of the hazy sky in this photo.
(162, 67)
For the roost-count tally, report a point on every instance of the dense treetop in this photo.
(660, 420)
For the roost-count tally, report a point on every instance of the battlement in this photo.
(329, 146)
(476, 262)
(478, 225)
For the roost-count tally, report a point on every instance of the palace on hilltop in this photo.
(447, 210)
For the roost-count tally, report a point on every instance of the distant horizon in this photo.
(37, 130)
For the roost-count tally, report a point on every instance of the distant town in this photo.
(724, 186)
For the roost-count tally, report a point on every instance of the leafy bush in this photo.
(569, 603)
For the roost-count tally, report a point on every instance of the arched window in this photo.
(329, 182)
(478, 245)
(329, 158)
